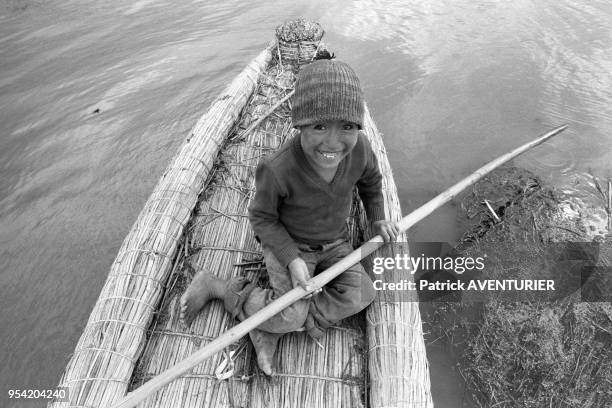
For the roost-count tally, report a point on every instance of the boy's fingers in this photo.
(391, 234)
(307, 287)
(304, 284)
(385, 235)
(396, 231)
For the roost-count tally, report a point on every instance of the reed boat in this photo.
(196, 218)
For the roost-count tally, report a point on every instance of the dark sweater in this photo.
(294, 204)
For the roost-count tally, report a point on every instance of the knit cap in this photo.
(327, 90)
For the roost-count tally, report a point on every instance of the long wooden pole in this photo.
(241, 329)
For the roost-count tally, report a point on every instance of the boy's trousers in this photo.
(344, 296)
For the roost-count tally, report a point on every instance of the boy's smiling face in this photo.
(325, 144)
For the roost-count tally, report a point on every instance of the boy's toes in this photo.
(265, 346)
(195, 297)
(187, 315)
(265, 365)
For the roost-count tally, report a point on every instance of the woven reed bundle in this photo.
(102, 364)
(397, 361)
(298, 42)
(329, 373)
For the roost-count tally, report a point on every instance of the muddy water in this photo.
(95, 98)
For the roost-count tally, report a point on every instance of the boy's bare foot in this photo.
(265, 346)
(203, 288)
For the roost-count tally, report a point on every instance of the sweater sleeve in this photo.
(370, 186)
(264, 217)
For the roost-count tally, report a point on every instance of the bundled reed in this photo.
(298, 42)
(101, 366)
(397, 361)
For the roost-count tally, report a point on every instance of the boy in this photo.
(302, 200)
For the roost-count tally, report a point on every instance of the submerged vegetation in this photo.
(537, 351)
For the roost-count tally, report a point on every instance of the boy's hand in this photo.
(300, 275)
(388, 230)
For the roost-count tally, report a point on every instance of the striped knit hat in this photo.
(327, 90)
